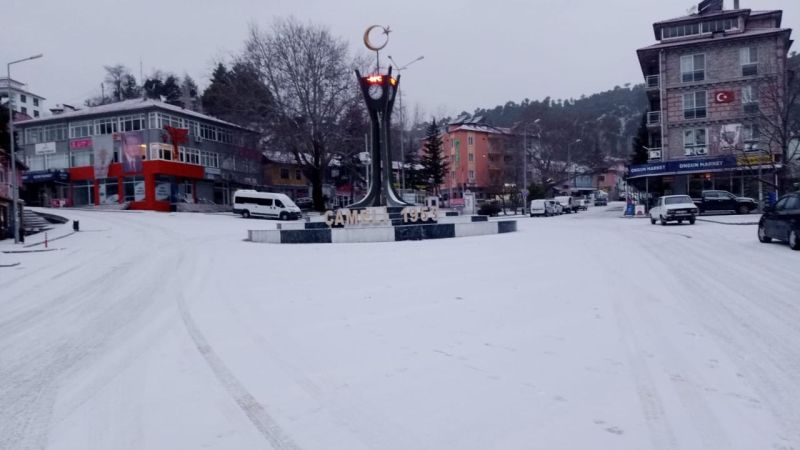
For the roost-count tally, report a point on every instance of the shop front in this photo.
(158, 185)
(45, 187)
(739, 176)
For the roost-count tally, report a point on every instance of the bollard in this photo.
(45, 239)
(76, 225)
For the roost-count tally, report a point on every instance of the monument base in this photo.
(320, 233)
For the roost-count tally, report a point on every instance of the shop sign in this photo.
(43, 176)
(754, 160)
(77, 144)
(683, 166)
(45, 148)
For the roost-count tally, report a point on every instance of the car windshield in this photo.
(677, 199)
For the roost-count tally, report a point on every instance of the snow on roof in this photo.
(130, 105)
(707, 39)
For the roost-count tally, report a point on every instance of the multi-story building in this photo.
(124, 153)
(283, 174)
(23, 101)
(6, 194)
(711, 80)
(479, 159)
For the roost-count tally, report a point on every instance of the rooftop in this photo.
(704, 39)
(125, 106)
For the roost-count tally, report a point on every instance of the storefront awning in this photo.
(705, 165)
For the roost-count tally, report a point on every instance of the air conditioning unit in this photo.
(751, 147)
(688, 152)
(702, 151)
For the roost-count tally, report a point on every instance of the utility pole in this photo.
(403, 124)
(14, 181)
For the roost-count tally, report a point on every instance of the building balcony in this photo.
(654, 154)
(654, 118)
(652, 82)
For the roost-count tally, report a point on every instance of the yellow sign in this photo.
(753, 160)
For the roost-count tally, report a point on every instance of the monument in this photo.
(379, 91)
(382, 215)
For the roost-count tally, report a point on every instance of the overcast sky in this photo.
(478, 53)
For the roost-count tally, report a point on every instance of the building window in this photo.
(680, 31)
(82, 158)
(80, 129)
(471, 157)
(470, 140)
(35, 101)
(132, 123)
(715, 26)
(23, 110)
(23, 98)
(54, 132)
(298, 175)
(694, 142)
(750, 100)
(134, 189)
(750, 137)
(109, 191)
(190, 155)
(161, 151)
(33, 135)
(693, 68)
(105, 126)
(82, 193)
(58, 161)
(694, 105)
(36, 113)
(284, 173)
(471, 175)
(749, 60)
(209, 159)
(35, 162)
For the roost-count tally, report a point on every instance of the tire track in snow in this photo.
(263, 422)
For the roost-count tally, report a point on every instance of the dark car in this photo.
(719, 201)
(782, 221)
(304, 203)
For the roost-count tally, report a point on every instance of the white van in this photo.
(567, 203)
(541, 208)
(264, 204)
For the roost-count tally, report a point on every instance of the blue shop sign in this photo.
(44, 176)
(683, 166)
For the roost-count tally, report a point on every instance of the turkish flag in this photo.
(724, 96)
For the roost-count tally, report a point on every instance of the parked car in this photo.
(782, 221)
(673, 208)
(489, 208)
(720, 201)
(541, 207)
(568, 203)
(601, 201)
(304, 203)
(250, 203)
(557, 208)
(583, 204)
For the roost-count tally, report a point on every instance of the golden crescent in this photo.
(369, 44)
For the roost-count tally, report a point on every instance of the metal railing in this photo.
(653, 81)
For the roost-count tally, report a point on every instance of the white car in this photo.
(673, 208)
(567, 203)
(557, 208)
(541, 207)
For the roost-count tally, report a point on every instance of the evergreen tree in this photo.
(640, 154)
(237, 95)
(434, 164)
(413, 174)
(189, 94)
(167, 88)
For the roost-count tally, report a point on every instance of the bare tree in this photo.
(309, 74)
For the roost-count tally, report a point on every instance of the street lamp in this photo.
(403, 123)
(14, 181)
(569, 159)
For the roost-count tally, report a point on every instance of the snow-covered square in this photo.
(587, 331)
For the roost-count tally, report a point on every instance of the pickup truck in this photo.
(673, 208)
(720, 201)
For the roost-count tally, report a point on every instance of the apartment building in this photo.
(712, 79)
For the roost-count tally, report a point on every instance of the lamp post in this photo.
(14, 181)
(569, 161)
(403, 123)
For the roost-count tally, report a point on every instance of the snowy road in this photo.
(167, 331)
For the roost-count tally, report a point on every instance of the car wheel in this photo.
(246, 214)
(691, 220)
(680, 221)
(663, 221)
(762, 235)
(744, 209)
(652, 221)
(794, 242)
(284, 216)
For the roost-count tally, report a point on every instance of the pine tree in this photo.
(189, 94)
(412, 171)
(434, 165)
(640, 154)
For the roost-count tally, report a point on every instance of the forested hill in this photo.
(609, 119)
